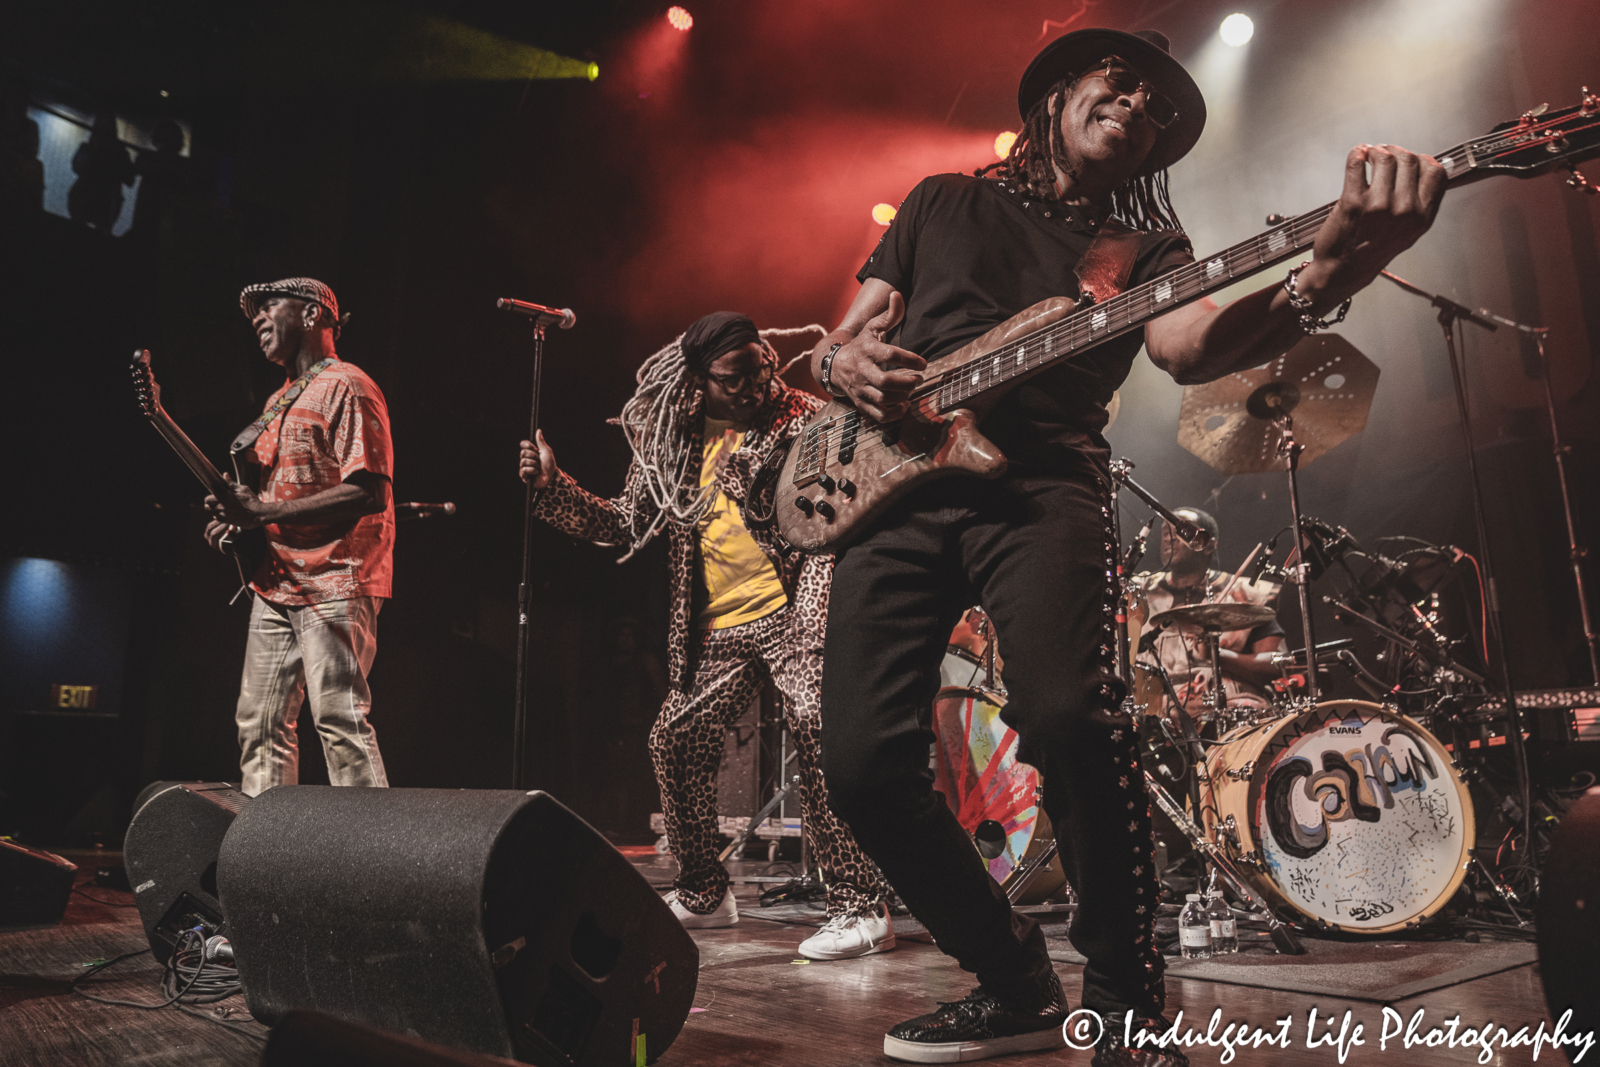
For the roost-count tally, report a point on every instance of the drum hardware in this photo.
(1508, 896)
(1327, 652)
(1223, 867)
(1242, 772)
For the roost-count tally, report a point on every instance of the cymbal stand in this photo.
(1290, 450)
(1449, 313)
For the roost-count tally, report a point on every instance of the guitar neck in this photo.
(985, 376)
(192, 457)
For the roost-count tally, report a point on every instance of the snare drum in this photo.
(1347, 813)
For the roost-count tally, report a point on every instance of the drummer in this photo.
(1187, 577)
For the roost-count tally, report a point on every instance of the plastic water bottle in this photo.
(1224, 928)
(1194, 929)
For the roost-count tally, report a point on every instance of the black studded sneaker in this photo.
(1115, 1050)
(985, 1023)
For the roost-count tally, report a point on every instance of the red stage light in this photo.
(883, 214)
(680, 19)
(1003, 143)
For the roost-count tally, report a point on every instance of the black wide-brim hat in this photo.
(1148, 51)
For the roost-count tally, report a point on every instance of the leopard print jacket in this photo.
(805, 578)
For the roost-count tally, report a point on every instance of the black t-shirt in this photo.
(969, 253)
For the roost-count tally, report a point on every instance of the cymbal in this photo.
(1225, 616)
(1324, 380)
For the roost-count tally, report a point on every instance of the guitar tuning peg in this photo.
(1533, 113)
(1591, 102)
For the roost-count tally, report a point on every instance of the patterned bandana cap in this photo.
(711, 335)
(308, 289)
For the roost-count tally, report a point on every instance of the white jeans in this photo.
(321, 650)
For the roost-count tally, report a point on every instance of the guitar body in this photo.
(848, 467)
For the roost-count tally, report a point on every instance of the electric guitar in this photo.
(845, 468)
(247, 547)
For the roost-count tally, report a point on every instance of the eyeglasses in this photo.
(735, 383)
(1126, 81)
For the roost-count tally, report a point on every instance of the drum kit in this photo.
(1344, 815)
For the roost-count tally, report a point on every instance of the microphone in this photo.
(218, 948)
(422, 511)
(1192, 534)
(1137, 549)
(542, 316)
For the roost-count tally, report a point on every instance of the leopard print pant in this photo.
(687, 743)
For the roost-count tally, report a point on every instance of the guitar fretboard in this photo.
(1129, 310)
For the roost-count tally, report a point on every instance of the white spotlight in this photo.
(1237, 29)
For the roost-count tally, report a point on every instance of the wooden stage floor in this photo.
(758, 1003)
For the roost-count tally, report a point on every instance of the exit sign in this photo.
(79, 697)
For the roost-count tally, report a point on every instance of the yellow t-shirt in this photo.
(741, 583)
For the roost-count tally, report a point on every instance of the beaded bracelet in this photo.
(1309, 322)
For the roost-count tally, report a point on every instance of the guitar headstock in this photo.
(144, 384)
(1533, 144)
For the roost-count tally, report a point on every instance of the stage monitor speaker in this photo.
(489, 920)
(170, 853)
(34, 886)
(1569, 917)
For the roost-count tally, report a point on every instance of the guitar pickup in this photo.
(847, 437)
(813, 453)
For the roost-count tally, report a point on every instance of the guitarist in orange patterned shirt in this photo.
(323, 450)
(1105, 113)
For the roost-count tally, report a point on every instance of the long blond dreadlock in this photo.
(658, 423)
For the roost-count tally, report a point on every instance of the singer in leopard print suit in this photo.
(708, 420)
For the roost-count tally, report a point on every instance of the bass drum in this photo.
(975, 766)
(1348, 814)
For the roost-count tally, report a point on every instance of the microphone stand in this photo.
(1449, 312)
(524, 693)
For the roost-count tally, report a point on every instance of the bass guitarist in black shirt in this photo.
(1079, 205)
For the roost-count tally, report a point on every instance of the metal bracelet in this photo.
(1309, 322)
(825, 379)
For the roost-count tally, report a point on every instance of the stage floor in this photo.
(758, 1002)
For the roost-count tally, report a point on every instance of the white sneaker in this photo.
(726, 913)
(849, 936)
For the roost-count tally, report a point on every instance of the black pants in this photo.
(1035, 549)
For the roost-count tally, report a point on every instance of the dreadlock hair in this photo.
(1143, 202)
(658, 422)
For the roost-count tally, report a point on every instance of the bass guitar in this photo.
(845, 468)
(247, 547)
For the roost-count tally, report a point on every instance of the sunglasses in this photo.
(733, 383)
(1126, 81)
